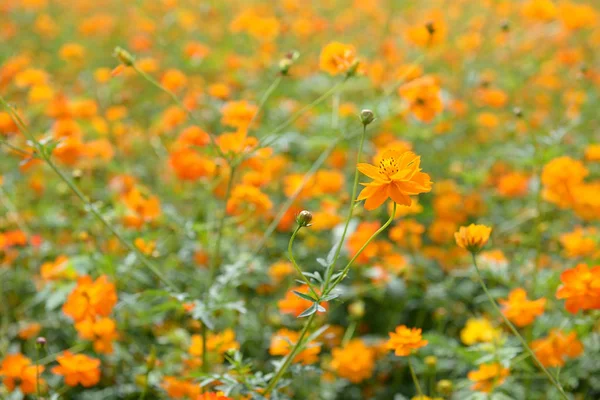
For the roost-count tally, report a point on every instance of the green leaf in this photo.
(309, 311)
(304, 296)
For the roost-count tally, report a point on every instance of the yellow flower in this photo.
(472, 237)
(479, 330)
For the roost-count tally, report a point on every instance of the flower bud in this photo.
(40, 342)
(445, 387)
(505, 26)
(366, 117)
(357, 309)
(304, 218)
(431, 361)
(124, 56)
(286, 62)
(518, 112)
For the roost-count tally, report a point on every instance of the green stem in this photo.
(264, 98)
(286, 206)
(349, 333)
(347, 267)
(88, 206)
(290, 356)
(295, 264)
(295, 116)
(515, 331)
(350, 211)
(204, 332)
(219, 235)
(415, 380)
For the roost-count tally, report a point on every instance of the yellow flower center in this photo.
(388, 166)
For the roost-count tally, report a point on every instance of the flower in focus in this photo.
(472, 237)
(581, 288)
(556, 347)
(487, 377)
(519, 310)
(337, 58)
(78, 369)
(405, 340)
(398, 176)
(355, 361)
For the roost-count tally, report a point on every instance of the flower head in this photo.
(355, 361)
(472, 237)
(487, 377)
(78, 369)
(398, 177)
(337, 58)
(556, 347)
(581, 288)
(405, 340)
(521, 311)
(18, 370)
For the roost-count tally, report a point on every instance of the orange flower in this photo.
(542, 10)
(218, 343)
(430, 31)
(487, 377)
(173, 79)
(213, 396)
(142, 209)
(181, 388)
(423, 98)
(405, 340)
(29, 330)
(102, 331)
(581, 288)
(18, 370)
(472, 237)
(337, 58)
(580, 242)
(513, 184)
(238, 114)
(521, 311)
(359, 237)
(91, 298)
(397, 177)
(280, 270)
(57, 269)
(246, 197)
(284, 340)
(78, 369)
(560, 177)
(355, 361)
(554, 349)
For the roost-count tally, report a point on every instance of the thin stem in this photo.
(264, 98)
(37, 371)
(350, 211)
(515, 331)
(219, 235)
(349, 333)
(16, 148)
(290, 356)
(88, 206)
(347, 267)
(264, 142)
(295, 264)
(286, 206)
(203, 332)
(177, 101)
(415, 380)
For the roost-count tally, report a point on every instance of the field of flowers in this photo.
(293, 199)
